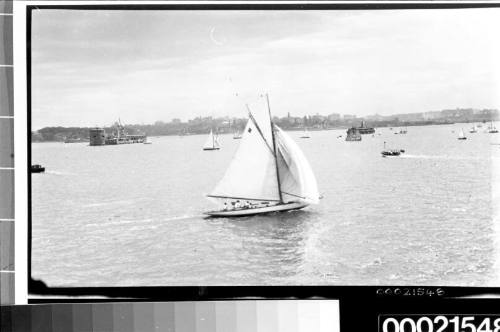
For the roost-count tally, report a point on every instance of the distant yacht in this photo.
(492, 129)
(212, 142)
(305, 134)
(473, 130)
(237, 135)
(461, 135)
(269, 173)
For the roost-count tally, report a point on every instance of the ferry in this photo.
(353, 135)
(363, 129)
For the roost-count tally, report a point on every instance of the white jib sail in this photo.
(252, 172)
(461, 134)
(209, 144)
(297, 179)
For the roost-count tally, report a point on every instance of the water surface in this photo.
(132, 214)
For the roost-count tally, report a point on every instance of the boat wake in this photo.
(115, 202)
(193, 216)
(119, 222)
(58, 173)
(442, 157)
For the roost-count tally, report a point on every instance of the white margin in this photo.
(21, 154)
(20, 105)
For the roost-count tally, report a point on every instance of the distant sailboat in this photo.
(473, 130)
(237, 135)
(492, 129)
(212, 142)
(461, 135)
(269, 172)
(305, 134)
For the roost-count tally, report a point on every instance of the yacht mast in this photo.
(274, 150)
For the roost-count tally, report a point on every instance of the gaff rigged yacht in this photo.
(212, 142)
(269, 173)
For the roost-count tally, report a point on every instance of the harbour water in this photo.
(133, 214)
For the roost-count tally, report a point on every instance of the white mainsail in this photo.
(461, 134)
(212, 142)
(253, 172)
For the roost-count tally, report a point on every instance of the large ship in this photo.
(353, 135)
(119, 135)
(363, 130)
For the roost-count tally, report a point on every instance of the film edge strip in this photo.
(7, 224)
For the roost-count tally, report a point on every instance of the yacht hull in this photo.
(260, 210)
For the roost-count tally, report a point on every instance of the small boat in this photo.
(37, 169)
(353, 135)
(147, 140)
(305, 134)
(237, 135)
(461, 135)
(212, 142)
(268, 172)
(73, 140)
(473, 130)
(403, 131)
(391, 153)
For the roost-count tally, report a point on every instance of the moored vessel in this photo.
(353, 135)
(37, 168)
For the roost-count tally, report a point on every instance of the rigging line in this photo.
(258, 129)
(303, 197)
(246, 198)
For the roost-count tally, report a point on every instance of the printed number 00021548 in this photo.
(440, 323)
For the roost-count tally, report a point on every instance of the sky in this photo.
(92, 67)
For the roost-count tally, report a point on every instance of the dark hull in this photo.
(365, 131)
(255, 211)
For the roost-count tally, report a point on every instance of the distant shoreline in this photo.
(375, 125)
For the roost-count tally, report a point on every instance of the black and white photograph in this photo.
(254, 147)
